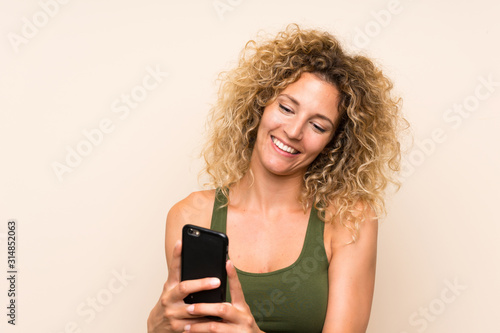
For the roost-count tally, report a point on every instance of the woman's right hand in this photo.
(170, 313)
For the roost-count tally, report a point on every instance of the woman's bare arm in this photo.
(351, 278)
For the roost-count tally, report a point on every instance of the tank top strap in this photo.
(219, 212)
(314, 245)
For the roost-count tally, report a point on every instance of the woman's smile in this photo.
(283, 147)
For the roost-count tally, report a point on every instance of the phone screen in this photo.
(204, 254)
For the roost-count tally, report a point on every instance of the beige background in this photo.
(438, 256)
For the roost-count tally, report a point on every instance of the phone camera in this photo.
(193, 232)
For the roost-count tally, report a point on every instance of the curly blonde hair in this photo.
(364, 154)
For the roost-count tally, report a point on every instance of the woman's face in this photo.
(297, 126)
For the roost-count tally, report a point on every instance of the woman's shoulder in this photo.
(196, 209)
(338, 235)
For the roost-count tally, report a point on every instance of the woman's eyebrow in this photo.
(294, 101)
(319, 115)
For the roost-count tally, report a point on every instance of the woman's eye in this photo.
(319, 128)
(285, 109)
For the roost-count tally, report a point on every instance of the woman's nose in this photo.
(293, 129)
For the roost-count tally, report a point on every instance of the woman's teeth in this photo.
(283, 147)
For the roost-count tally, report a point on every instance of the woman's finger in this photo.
(174, 269)
(237, 296)
(212, 326)
(184, 288)
(222, 310)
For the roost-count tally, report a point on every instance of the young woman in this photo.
(302, 145)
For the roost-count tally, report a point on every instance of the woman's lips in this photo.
(284, 147)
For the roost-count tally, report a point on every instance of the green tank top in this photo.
(291, 299)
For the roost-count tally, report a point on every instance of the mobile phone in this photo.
(204, 254)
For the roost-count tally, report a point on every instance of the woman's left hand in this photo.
(236, 316)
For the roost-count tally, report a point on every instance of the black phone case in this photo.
(204, 254)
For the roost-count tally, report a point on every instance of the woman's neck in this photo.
(267, 192)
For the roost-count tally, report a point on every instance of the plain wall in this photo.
(90, 237)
